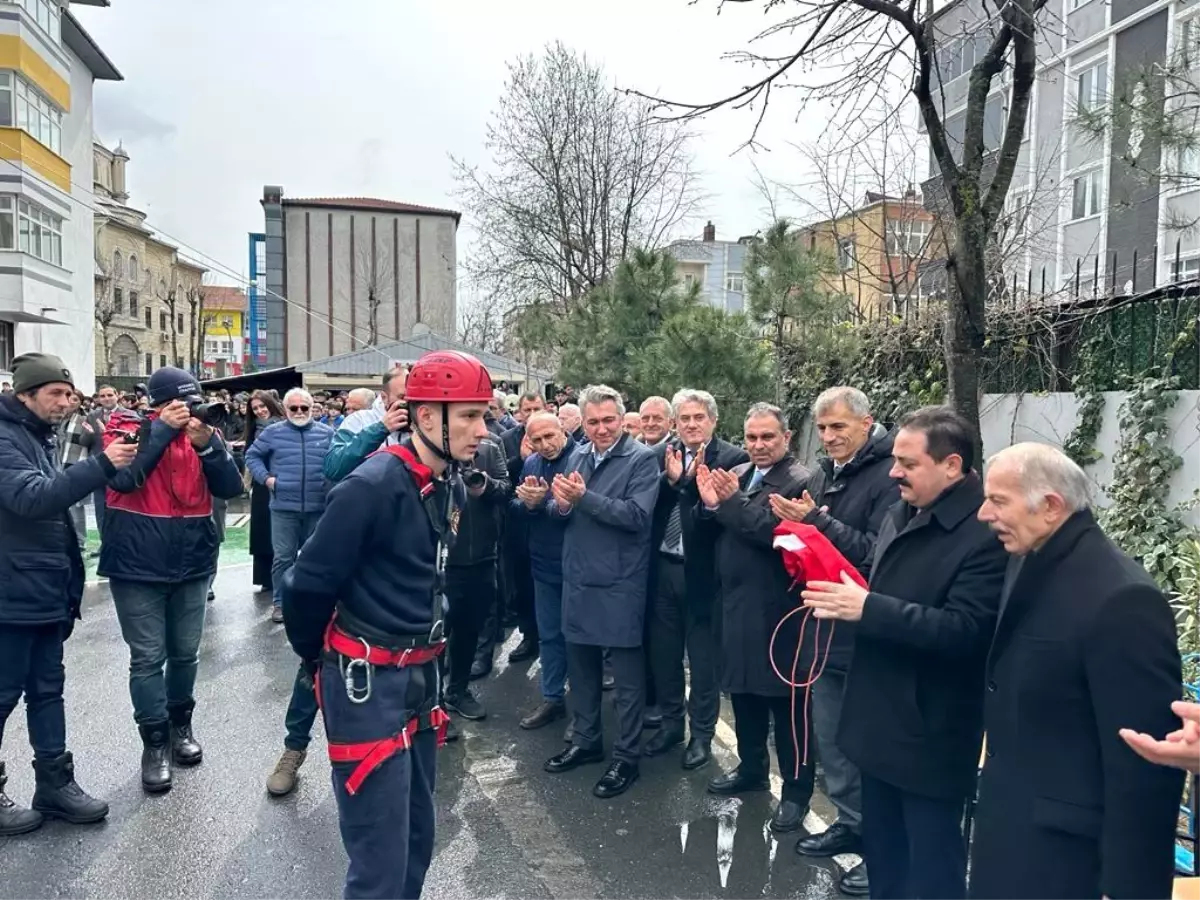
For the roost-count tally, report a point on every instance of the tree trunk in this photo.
(965, 333)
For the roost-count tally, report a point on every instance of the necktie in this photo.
(673, 538)
(756, 481)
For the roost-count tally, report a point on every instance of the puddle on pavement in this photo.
(746, 852)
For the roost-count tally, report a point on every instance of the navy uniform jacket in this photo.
(374, 551)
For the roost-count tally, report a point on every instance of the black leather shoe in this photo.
(481, 669)
(854, 883)
(837, 838)
(789, 816)
(527, 649)
(664, 740)
(156, 757)
(58, 796)
(737, 782)
(15, 819)
(617, 780)
(185, 749)
(572, 758)
(608, 682)
(548, 711)
(697, 754)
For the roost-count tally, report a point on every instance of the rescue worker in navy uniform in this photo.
(365, 603)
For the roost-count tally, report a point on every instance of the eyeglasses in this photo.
(299, 408)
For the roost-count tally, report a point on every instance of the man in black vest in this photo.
(682, 593)
(912, 714)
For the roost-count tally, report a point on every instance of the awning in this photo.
(281, 380)
(23, 318)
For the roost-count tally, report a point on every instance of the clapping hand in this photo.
(792, 510)
(842, 600)
(532, 492)
(1180, 748)
(725, 483)
(568, 489)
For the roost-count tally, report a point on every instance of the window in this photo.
(24, 106)
(118, 302)
(1187, 171)
(1185, 269)
(118, 265)
(1085, 195)
(227, 321)
(1090, 88)
(1014, 223)
(149, 363)
(45, 14)
(181, 328)
(735, 283)
(7, 336)
(1189, 42)
(133, 303)
(133, 269)
(40, 232)
(162, 359)
(846, 254)
(162, 321)
(8, 236)
(689, 280)
(906, 238)
(149, 317)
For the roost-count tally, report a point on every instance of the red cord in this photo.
(814, 673)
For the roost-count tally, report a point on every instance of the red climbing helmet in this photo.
(447, 376)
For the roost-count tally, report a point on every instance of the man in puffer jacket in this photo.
(41, 581)
(159, 551)
(289, 458)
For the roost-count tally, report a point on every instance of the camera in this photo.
(208, 413)
(473, 478)
(130, 437)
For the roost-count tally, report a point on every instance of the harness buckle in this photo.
(354, 693)
(438, 631)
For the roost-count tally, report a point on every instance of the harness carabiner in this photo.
(353, 693)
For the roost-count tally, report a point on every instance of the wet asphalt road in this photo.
(505, 828)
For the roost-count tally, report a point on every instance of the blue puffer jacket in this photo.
(41, 568)
(295, 457)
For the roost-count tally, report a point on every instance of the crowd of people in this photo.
(877, 612)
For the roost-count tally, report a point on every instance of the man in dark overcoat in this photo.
(1085, 645)
(756, 593)
(912, 714)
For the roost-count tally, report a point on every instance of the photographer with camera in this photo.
(159, 551)
(41, 581)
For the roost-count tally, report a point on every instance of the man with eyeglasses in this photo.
(289, 459)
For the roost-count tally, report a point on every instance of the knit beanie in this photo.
(32, 370)
(170, 383)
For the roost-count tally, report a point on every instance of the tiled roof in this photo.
(369, 203)
(220, 297)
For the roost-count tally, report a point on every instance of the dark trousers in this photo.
(675, 627)
(913, 845)
(752, 715)
(519, 578)
(585, 669)
(301, 712)
(31, 663)
(100, 505)
(471, 592)
(388, 825)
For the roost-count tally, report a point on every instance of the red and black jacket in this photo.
(158, 525)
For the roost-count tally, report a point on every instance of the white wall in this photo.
(1049, 418)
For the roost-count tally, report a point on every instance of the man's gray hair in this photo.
(297, 392)
(768, 409)
(658, 401)
(571, 409)
(601, 393)
(691, 395)
(1044, 469)
(365, 396)
(852, 398)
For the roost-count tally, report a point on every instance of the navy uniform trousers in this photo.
(388, 825)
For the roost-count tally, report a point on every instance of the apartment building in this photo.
(716, 266)
(224, 331)
(1084, 206)
(48, 65)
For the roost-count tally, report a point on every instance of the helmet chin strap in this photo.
(442, 452)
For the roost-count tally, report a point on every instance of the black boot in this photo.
(58, 796)
(15, 819)
(156, 757)
(185, 750)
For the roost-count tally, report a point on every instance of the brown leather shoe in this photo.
(548, 711)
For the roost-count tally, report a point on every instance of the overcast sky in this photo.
(223, 96)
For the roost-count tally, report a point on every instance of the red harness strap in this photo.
(339, 642)
(370, 755)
